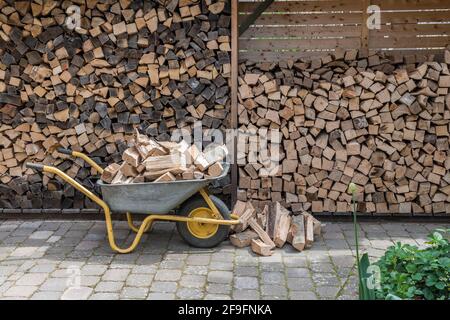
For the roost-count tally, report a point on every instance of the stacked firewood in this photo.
(158, 66)
(273, 227)
(148, 160)
(347, 117)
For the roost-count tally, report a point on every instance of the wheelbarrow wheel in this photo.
(203, 235)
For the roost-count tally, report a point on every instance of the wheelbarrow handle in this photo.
(64, 151)
(35, 166)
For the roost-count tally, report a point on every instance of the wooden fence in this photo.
(293, 29)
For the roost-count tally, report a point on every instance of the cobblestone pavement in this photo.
(72, 260)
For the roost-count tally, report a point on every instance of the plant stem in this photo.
(356, 228)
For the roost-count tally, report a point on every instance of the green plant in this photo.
(408, 272)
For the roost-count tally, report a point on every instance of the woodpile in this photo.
(273, 227)
(148, 160)
(156, 66)
(348, 117)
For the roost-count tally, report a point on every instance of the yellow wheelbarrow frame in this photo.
(147, 222)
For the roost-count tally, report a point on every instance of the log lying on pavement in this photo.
(279, 227)
(347, 117)
(155, 65)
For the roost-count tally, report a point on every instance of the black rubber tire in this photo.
(222, 231)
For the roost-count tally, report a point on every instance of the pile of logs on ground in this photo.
(151, 161)
(158, 66)
(273, 227)
(347, 117)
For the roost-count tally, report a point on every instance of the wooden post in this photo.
(364, 28)
(234, 96)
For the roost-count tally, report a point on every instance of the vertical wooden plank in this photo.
(364, 28)
(234, 96)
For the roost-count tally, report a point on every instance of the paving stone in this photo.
(302, 295)
(20, 291)
(171, 264)
(246, 282)
(144, 269)
(198, 260)
(218, 288)
(325, 279)
(16, 276)
(327, 291)
(116, 275)
(299, 284)
(81, 293)
(163, 286)
(295, 262)
(273, 290)
(189, 293)
(89, 281)
(246, 294)
(23, 252)
(104, 296)
(220, 276)
(43, 268)
(321, 267)
(200, 270)
(272, 277)
(149, 259)
(222, 257)
(168, 275)
(109, 286)
(247, 261)
(46, 295)
(297, 272)
(55, 284)
(139, 280)
(160, 296)
(219, 265)
(175, 256)
(44, 235)
(7, 270)
(93, 270)
(213, 296)
(245, 271)
(133, 293)
(32, 279)
(192, 281)
(282, 297)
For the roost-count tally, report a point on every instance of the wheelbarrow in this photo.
(202, 220)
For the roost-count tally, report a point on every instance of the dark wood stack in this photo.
(380, 123)
(157, 66)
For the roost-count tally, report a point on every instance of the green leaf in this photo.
(440, 285)
(417, 276)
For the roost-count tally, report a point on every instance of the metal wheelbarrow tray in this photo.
(153, 197)
(202, 221)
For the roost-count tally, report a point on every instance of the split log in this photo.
(243, 239)
(296, 236)
(261, 233)
(261, 248)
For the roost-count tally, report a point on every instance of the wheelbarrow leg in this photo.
(210, 203)
(133, 226)
(109, 228)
